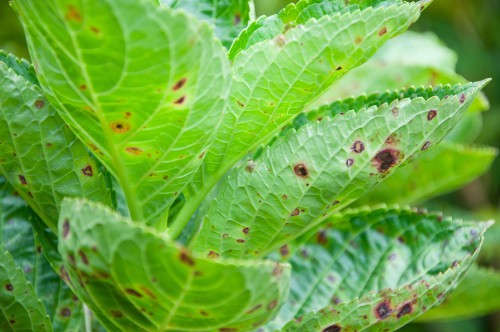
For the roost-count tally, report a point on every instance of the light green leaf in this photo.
(39, 155)
(138, 280)
(446, 167)
(20, 309)
(228, 17)
(301, 179)
(275, 79)
(392, 266)
(16, 236)
(477, 295)
(144, 91)
(412, 59)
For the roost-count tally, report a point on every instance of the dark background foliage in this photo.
(472, 29)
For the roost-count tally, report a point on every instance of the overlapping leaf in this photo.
(228, 17)
(137, 280)
(326, 165)
(20, 308)
(16, 236)
(143, 91)
(446, 167)
(39, 155)
(275, 78)
(477, 295)
(376, 270)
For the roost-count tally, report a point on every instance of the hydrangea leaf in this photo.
(477, 295)
(21, 309)
(421, 179)
(147, 115)
(394, 265)
(17, 238)
(39, 155)
(228, 17)
(141, 281)
(275, 79)
(325, 166)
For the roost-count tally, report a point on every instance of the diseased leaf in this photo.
(16, 236)
(143, 91)
(477, 295)
(135, 279)
(39, 155)
(275, 79)
(21, 310)
(376, 270)
(446, 167)
(301, 179)
(228, 17)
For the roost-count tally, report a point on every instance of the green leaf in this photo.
(228, 17)
(392, 265)
(39, 155)
(477, 295)
(276, 78)
(147, 115)
(17, 238)
(412, 59)
(301, 179)
(446, 167)
(20, 308)
(137, 280)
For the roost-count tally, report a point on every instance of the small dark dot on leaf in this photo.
(405, 309)
(431, 115)
(9, 287)
(39, 104)
(358, 147)
(295, 212)
(382, 31)
(23, 180)
(179, 84)
(246, 230)
(383, 310)
(180, 101)
(65, 312)
(65, 228)
(186, 259)
(349, 162)
(333, 328)
(426, 146)
(87, 171)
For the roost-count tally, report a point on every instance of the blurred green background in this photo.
(472, 29)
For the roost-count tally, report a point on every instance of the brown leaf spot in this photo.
(254, 309)
(385, 159)
(133, 292)
(204, 313)
(39, 104)
(87, 171)
(185, 258)
(240, 241)
(395, 112)
(358, 147)
(213, 254)
(285, 196)
(405, 310)
(65, 228)
(65, 312)
(250, 166)
(321, 238)
(431, 115)
(382, 31)
(12, 321)
(246, 230)
(83, 257)
(74, 15)
(179, 84)
(9, 287)
(83, 87)
(133, 150)
(349, 162)
(284, 250)
(116, 314)
(228, 329)
(120, 127)
(301, 170)
(23, 180)
(95, 30)
(237, 19)
(295, 212)
(339, 68)
(272, 304)
(332, 328)
(180, 101)
(462, 98)
(426, 146)
(358, 40)
(383, 310)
